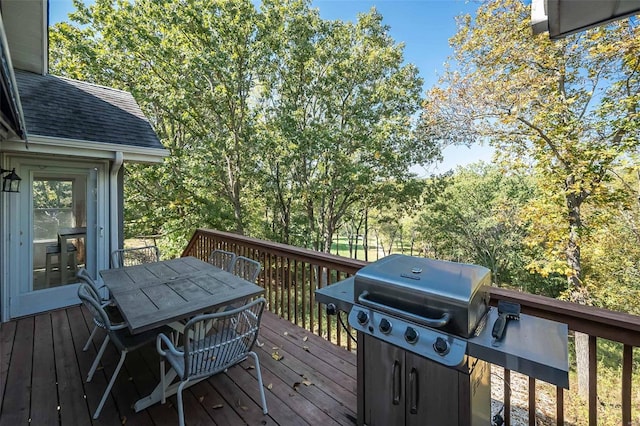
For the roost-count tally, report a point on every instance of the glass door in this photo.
(59, 232)
(59, 229)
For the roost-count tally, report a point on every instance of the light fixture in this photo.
(11, 182)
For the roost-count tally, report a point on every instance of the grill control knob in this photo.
(411, 335)
(385, 326)
(441, 346)
(363, 318)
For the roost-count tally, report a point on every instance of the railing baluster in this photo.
(506, 395)
(532, 401)
(289, 285)
(295, 292)
(559, 406)
(270, 296)
(303, 282)
(593, 381)
(337, 324)
(627, 370)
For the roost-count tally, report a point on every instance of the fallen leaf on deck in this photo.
(305, 338)
(275, 348)
(306, 382)
(276, 356)
(201, 398)
(306, 348)
(250, 367)
(296, 385)
(124, 420)
(259, 344)
(270, 386)
(217, 406)
(240, 406)
(286, 333)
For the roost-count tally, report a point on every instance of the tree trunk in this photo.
(578, 293)
(365, 238)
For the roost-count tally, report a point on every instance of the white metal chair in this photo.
(211, 350)
(112, 311)
(116, 333)
(222, 259)
(134, 256)
(246, 268)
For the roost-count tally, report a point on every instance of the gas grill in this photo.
(425, 344)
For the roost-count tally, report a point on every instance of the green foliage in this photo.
(337, 105)
(567, 111)
(474, 216)
(277, 121)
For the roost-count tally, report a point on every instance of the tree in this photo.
(338, 107)
(473, 216)
(191, 66)
(569, 108)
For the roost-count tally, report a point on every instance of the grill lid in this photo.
(436, 279)
(449, 296)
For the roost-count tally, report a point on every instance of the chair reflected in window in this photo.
(215, 343)
(134, 256)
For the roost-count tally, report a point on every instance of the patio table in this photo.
(160, 293)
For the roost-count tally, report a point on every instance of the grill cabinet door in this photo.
(384, 381)
(432, 393)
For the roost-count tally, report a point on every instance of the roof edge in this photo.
(80, 148)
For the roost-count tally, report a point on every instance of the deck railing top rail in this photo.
(343, 264)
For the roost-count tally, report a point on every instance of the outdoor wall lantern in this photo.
(11, 182)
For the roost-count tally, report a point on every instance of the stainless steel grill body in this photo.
(451, 297)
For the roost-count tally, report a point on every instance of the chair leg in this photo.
(90, 339)
(259, 374)
(180, 407)
(98, 358)
(123, 355)
(164, 387)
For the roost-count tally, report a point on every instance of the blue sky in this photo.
(424, 26)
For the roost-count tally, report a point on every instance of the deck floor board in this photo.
(43, 367)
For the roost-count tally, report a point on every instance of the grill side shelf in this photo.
(532, 346)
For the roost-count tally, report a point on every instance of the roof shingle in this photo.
(59, 107)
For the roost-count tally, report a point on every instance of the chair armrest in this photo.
(118, 326)
(163, 338)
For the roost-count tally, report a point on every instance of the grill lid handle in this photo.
(363, 299)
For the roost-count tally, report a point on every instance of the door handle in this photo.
(397, 383)
(413, 391)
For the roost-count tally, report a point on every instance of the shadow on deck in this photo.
(43, 371)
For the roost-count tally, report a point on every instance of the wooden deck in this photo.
(43, 372)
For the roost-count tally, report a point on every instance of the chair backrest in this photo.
(222, 259)
(218, 341)
(246, 268)
(134, 256)
(84, 277)
(91, 301)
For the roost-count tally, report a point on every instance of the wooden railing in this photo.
(290, 276)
